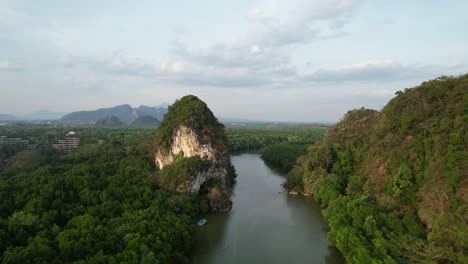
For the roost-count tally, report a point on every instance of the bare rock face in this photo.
(184, 141)
(187, 144)
(192, 154)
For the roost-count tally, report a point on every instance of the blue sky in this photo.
(262, 60)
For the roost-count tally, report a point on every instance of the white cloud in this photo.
(384, 70)
(255, 14)
(258, 57)
(376, 93)
(331, 9)
(255, 49)
(261, 55)
(232, 67)
(294, 23)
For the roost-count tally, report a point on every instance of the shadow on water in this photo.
(265, 225)
(307, 206)
(209, 237)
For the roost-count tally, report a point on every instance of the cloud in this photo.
(332, 9)
(255, 14)
(386, 70)
(113, 63)
(260, 56)
(8, 66)
(253, 67)
(308, 22)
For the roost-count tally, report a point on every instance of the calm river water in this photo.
(265, 225)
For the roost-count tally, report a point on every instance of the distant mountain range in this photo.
(5, 117)
(130, 116)
(114, 121)
(39, 115)
(124, 113)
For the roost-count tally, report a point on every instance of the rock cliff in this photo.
(185, 141)
(192, 154)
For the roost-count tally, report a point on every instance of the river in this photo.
(265, 225)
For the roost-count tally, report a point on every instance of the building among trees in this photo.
(16, 142)
(69, 143)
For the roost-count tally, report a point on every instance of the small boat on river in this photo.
(201, 222)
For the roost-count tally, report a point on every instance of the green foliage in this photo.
(361, 231)
(283, 156)
(259, 137)
(393, 183)
(327, 188)
(146, 121)
(97, 205)
(191, 112)
(403, 182)
(181, 170)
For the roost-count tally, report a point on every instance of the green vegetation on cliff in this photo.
(180, 171)
(191, 112)
(393, 184)
(205, 137)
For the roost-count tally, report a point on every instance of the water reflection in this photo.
(209, 238)
(265, 224)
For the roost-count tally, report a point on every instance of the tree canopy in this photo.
(393, 183)
(193, 113)
(98, 205)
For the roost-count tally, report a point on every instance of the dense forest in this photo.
(280, 147)
(393, 183)
(101, 204)
(283, 156)
(98, 205)
(257, 138)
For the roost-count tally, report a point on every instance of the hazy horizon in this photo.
(263, 60)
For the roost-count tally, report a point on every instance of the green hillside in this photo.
(393, 183)
(109, 121)
(146, 120)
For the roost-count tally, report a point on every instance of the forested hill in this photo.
(393, 183)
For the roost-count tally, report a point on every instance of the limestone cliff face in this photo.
(186, 142)
(192, 155)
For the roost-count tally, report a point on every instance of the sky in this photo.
(290, 60)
